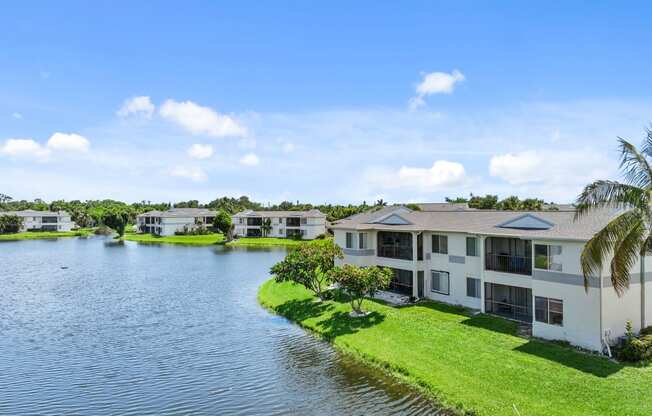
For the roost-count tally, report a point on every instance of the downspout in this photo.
(642, 279)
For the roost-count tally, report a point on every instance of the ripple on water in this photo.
(144, 329)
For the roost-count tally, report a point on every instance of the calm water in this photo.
(170, 330)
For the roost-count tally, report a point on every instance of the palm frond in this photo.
(634, 165)
(646, 149)
(605, 242)
(610, 194)
(626, 253)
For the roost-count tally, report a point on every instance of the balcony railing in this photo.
(395, 252)
(508, 264)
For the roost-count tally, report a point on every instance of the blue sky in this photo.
(338, 102)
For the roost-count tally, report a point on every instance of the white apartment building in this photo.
(306, 225)
(523, 266)
(174, 220)
(43, 220)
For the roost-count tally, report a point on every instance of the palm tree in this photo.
(266, 227)
(628, 236)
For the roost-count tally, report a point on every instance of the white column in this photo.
(415, 273)
(482, 266)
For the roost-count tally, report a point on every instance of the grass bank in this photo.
(37, 235)
(470, 363)
(197, 240)
(265, 242)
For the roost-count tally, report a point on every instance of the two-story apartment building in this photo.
(306, 225)
(43, 220)
(523, 266)
(174, 220)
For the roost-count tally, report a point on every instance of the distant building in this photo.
(43, 220)
(291, 224)
(174, 220)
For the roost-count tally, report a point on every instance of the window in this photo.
(363, 241)
(547, 257)
(349, 240)
(241, 220)
(472, 246)
(280, 220)
(440, 244)
(439, 282)
(472, 287)
(304, 221)
(549, 311)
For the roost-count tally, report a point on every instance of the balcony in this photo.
(508, 255)
(508, 264)
(395, 245)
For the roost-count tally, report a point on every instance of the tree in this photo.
(511, 203)
(266, 226)
(627, 237)
(360, 282)
(10, 224)
(222, 223)
(309, 265)
(483, 202)
(116, 218)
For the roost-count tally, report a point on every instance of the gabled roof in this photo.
(34, 213)
(391, 219)
(559, 224)
(180, 213)
(527, 222)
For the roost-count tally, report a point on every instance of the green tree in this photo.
(483, 202)
(359, 282)
(222, 223)
(309, 265)
(266, 226)
(10, 224)
(511, 203)
(116, 218)
(627, 237)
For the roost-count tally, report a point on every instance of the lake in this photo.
(89, 328)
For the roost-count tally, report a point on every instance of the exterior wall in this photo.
(313, 227)
(35, 222)
(582, 311)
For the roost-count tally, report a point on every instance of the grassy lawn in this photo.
(470, 363)
(197, 240)
(35, 235)
(265, 242)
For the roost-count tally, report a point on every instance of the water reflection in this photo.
(148, 329)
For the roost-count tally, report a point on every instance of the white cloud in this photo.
(201, 120)
(250, 159)
(442, 175)
(288, 147)
(17, 115)
(200, 151)
(435, 83)
(193, 173)
(551, 168)
(68, 142)
(24, 148)
(141, 106)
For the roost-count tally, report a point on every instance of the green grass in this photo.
(197, 240)
(36, 235)
(470, 363)
(265, 242)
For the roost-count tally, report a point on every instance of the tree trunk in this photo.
(643, 323)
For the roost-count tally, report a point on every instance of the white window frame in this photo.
(552, 266)
(476, 246)
(438, 237)
(348, 240)
(548, 313)
(363, 241)
(477, 286)
(448, 282)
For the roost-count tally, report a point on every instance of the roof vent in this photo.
(527, 222)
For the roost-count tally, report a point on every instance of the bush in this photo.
(635, 348)
(320, 236)
(193, 231)
(103, 230)
(10, 224)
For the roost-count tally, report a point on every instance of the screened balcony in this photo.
(255, 221)
(508, 255)
(395, 245)
(401, 282)
(293, 222)
(508, 301)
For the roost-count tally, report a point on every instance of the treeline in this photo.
(511, 203)
(91, 213)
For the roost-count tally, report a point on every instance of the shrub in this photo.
(635, 348)
(361, 281)
(320, 236)
(10, 224)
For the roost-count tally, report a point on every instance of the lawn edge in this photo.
(398, 373)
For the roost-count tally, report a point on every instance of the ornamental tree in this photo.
(359, 282)
(309, 265)
(222, 223)
(116, 218)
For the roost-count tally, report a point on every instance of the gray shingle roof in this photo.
(34, 213)
(485, 222)
(180, 213)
